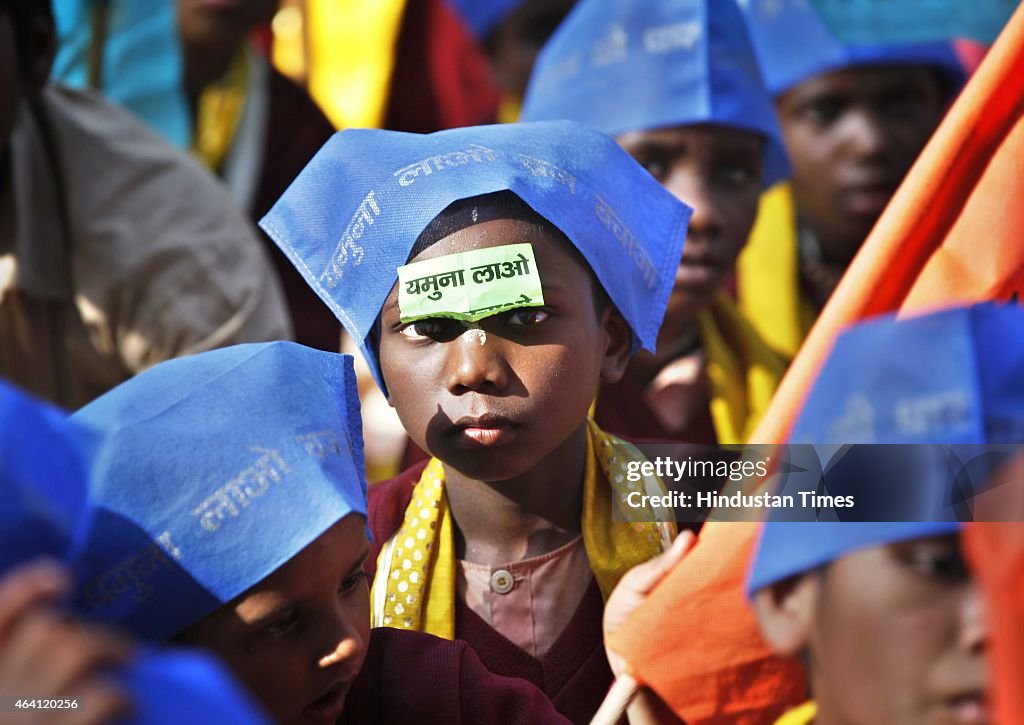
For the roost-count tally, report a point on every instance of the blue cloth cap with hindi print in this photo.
(215, 470)
(794, 44)
(44, 461)
(44, 475)
(350, 219)
(634, 65)
(950, 377)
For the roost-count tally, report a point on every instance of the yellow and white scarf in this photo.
(415, 583)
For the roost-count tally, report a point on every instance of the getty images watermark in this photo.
(819, 483)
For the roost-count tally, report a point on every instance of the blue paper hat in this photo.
(951, 377)
(483, 15)
(794, 44)
(352, 216)
(216, 469)
(44, 469)
(629, 65)
(44, 472)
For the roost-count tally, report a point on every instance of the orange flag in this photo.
(952, 234)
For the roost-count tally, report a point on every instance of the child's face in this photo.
(893, 633)
(852, 135)
(298, 638)
(718, 172)
(494, 406)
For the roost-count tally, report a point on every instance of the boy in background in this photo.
(678, 86)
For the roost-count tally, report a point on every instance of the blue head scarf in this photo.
(482, 16)
(631, 65)
(44, 462)
(352, 216)
(44, 472)
(216, 469)
(794, 45)
(952, 377)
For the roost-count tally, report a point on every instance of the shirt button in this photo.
(502, 581)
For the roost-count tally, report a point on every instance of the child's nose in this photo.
(475, 363)
(346, 645)
(974, 621)
(865, 133)
(693, 189)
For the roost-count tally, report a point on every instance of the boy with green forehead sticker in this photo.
(495, 277)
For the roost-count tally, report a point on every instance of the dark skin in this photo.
(298, 639)
(852, 135)
(892, 633)
(514, 42)
(508, 417)
(718, 171)
(212, 32)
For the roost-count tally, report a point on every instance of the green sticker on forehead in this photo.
(470, 285)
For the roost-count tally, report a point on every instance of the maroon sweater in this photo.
(574, 673)
(416, 677)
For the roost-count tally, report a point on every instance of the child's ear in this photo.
(785, 612)
(618, 339)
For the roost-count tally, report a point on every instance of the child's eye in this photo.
(281, 626)
(938, 559)
(739, 174)
(433, 328)
(352, 583)
(655, 165)
(526, 317)
(823, 111)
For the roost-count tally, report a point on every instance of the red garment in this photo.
(296, 129)
(416, 677)
(574, 674)
(441, 78)
(621, 410)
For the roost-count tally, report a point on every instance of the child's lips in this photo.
(484, 431)
(970, 708)
(328, 707)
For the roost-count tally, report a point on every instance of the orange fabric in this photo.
(950, 235)
(995, 551)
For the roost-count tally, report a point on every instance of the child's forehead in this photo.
(496, 233)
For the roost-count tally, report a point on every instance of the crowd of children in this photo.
(545, 304)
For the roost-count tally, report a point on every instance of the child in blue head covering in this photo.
(889, 617)
(87, 671)
(229, 512)
(855, 117)
(512, 33)
(678, 85)
(494, 276)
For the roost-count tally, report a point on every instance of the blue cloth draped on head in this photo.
(352, 216)
(794, 44)
(952, 378)
(44, 476)
(216, 469)
(635, 65)
(482, 16)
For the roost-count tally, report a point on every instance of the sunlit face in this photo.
(852, 135)
(718, 172)
(298, 639)
(497, 405)
(894, 634)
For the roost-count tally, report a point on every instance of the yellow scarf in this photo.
(803, 715)
(743, 371)
(415, 583)
(768, 275)
(219, 111)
